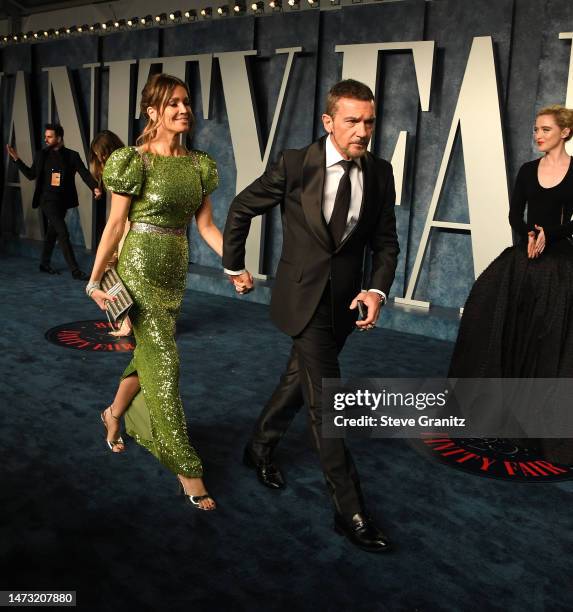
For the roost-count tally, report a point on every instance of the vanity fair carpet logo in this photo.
(89, 336)
(513, 460)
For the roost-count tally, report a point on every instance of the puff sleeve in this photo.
(208, 171)
(123, 171)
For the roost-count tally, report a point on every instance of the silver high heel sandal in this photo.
(195, 500)
(112, 443)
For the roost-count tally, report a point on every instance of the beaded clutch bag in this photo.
(117, 310)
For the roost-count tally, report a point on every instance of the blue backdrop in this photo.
(532, 67)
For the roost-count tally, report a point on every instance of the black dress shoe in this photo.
(80, 275)
(267, 472)
(362, 532)
(48, 269)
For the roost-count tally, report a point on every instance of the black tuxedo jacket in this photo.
(72, 162)
(309, 258)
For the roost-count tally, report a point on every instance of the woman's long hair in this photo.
(102, 146)
(156, 94)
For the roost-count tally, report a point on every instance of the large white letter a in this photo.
(478, 116)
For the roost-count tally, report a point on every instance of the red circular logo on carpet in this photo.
(514, 460)
(89, 336)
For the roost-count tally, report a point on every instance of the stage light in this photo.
(95, 27)
(146, 20)
(83, 28)
(36, 34)
(4, 39)
(206, 12)
(293, 3)
(28, 35)
(223, 10)
(46, 34)
(175, 16)
(57, 32)
(191, 14)
(334, 2)
(276, 5)
(313, 3)
(132, 23)
(258, 7)
(161, 18)
(120, 23)
(239, 7)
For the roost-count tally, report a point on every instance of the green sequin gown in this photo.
(166, 192)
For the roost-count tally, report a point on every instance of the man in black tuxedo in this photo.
(336, 200)
(54, 169)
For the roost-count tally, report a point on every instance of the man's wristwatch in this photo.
(380, 295)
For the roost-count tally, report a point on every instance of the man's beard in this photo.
(347, 151)
(356, 155)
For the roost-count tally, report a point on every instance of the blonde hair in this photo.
(156, 93)
(101, 147)
(563, 117)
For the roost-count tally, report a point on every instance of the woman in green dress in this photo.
(159, 186)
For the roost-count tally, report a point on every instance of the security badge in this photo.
(56, 179)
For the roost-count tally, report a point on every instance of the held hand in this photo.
(540, 242)
(101, 298)
(12, 152)
(243, 282)
(531, 245)
(97, 193)
(373, 303)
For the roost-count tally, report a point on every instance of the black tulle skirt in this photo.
(518, 323)
(518, 319)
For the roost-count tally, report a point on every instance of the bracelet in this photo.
(91, 287)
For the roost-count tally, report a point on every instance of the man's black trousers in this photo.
(57, 229)
(314, 356)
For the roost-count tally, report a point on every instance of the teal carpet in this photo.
(75, 517)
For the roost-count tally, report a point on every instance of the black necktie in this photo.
(337, 223)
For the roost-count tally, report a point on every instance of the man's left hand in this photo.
(97, 193)
(373, 303)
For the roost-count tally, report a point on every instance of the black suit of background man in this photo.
(318, 281)
(54, 169)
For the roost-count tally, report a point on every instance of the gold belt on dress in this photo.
(148, 228)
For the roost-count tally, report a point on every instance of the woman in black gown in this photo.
(518, 319)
